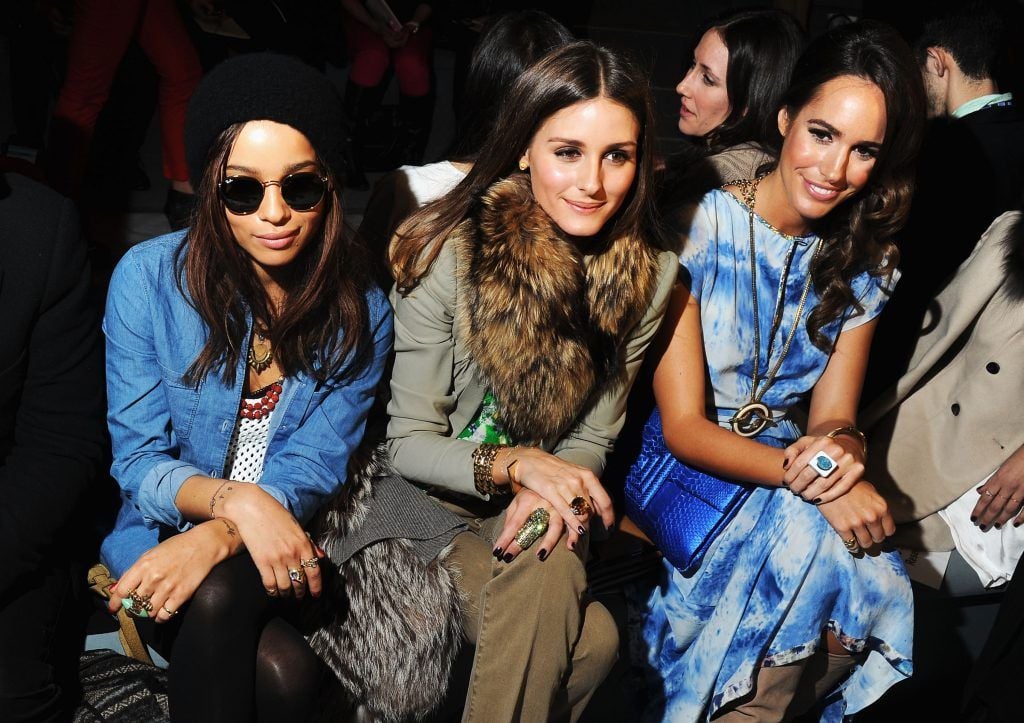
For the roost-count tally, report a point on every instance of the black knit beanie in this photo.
(264, 86)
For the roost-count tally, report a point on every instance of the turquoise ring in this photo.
(823, 464)
(129, 607)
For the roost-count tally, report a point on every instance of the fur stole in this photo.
(544, 321)
(388, 625)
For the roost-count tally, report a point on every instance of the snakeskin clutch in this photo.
(681, 509)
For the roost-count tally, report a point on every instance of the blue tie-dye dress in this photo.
(779, 574)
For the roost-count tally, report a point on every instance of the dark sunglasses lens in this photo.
(302, 191)
(241, 194)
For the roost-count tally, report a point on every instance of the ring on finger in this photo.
(580, 506)
(296, 575)
(851, 544)
(534, 527)
(271, 591)
(170, 613)
(823, 464)
(990, 493)
(311, 562)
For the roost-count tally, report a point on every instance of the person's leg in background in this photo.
(413, 67)
(370, 58)
(165, 41)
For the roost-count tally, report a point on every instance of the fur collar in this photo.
(544, 321)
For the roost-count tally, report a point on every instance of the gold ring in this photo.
(170, 613)
(271, 591)
(851, 544)
(296, 575)
(580, 506)
(311, 562)
(534, 527)
(142, 602)
(990, 493)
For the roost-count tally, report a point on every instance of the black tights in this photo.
(234, 657)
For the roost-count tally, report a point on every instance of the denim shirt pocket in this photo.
(182, 401)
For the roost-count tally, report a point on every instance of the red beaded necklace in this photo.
(265, 405)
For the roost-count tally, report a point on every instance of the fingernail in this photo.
(543, 555)
(974, 518)
(785, 464)
(497, 552)
(508, 557)
(984, 527)
(816, 501)
(785, 483)
(1016, 524)
(999, 525)
(581, 529)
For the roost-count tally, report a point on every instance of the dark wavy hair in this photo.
(568, 75)
(323, 328)
(507, 47)
(763, 47)
(859, 234)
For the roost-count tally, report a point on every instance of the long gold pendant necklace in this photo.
(753, 417)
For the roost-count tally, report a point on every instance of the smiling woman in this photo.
(794, 602)
(525, 301)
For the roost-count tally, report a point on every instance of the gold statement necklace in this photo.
(753, 417)
(261, 351)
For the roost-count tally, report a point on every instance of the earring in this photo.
(523, 165)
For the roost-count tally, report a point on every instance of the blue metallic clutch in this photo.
(680, 508)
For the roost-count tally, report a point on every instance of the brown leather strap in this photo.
(100, 582)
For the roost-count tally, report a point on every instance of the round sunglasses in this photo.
(301, 191)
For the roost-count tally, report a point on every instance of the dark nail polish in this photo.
(581, 529)
(974, 518)
(785, 464)
(1016, 524)
(543, 555)
(572, 545)
(816, 501)
(497, 552)
(984, 528)
(785, 483)
(508, 557)
(999, 525)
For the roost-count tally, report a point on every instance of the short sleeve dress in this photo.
(778, 575)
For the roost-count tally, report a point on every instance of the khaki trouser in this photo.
(787, 691)
(542, 647)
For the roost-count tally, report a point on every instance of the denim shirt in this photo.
(164, 432)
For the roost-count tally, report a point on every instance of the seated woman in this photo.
(740, 68)
(242, 359)
(524, 302)
(504, 51)
(785, 274)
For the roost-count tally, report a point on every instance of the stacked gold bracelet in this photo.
(483, 470)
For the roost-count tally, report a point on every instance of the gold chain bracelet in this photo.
(483, 470)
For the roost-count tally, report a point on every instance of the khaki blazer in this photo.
(958, 412)
(437, 389)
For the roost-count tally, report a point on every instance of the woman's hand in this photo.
(169, 574)
(803, 479)
(1002, 495)
(861, 514)
(558, 482)
(521, 507)
(275, 540)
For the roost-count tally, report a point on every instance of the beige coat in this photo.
(437, 384)
(958, 412)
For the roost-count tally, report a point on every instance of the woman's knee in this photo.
(229, 591)
(599, 638)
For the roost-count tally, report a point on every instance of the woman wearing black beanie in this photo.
(243, 356)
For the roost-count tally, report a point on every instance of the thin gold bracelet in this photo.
(851, 431)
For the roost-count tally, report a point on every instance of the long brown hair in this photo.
(859, 234)
(322, 328)
(570, 74)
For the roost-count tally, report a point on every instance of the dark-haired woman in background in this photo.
(784, 276)
(728, 99)
(513, 41)
(524, 302)
(242, 359)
